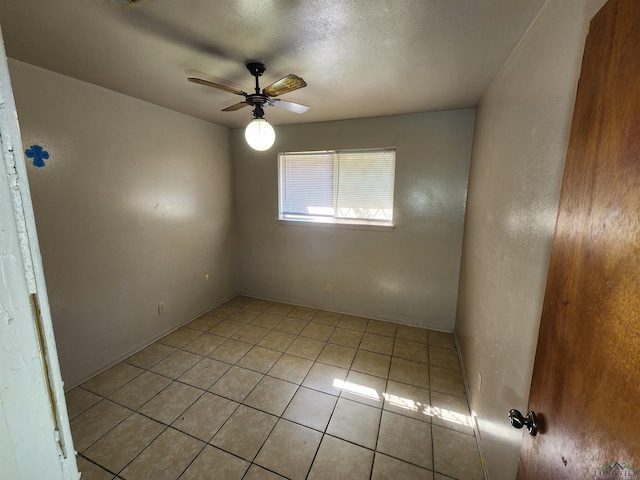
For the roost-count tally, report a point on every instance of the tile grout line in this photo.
(433, 449)
(386, 386)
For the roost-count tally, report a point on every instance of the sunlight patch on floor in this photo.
(356, 389)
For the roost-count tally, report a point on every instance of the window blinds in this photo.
(350, 186)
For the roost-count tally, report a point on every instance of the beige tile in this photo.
(140, 390)
(203, 323)
(353, 323)
(439, 476)
(204, 344)
(387, 468)
(441, 339)
(89, 426)
(405, 438)
(244, 315)
(180, 337)
(345, 337)
(250, 334)
(291, 368)
(149, 356)
(443, 357)
(377, 343)
(408, 400)
(90, 471)
(171, 402)
(122, 444)
(267, 320)
(303, 313)
(230, 351)
(355, 422)
(259, 359)
(79, 400)
(176, 364)
(166, 458)
(109, 381)
(456, 454)
(371, 363)
(451, 412)
(416, 352)
(239, 301)
(325, 378)
(377, 327)
(259, 473)
(282, 309)
(306, 348)
(317, 331)
(213, 463)
(340, 460)
(205, 373)
(364, 388)
(291, 325)
(245, 432)
(223, 310)
(411, 334)
(337, 355)
(204, 418)
(271, 395)
(413, 373)
(259, 304)
(311, 408)
(289, 450)
(225, 328)
(279, 341)
(216, 317)
(446, 380)
(327, 318)
(236, 384)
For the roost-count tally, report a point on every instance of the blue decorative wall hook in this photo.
(38, 154)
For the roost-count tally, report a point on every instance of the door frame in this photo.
(35, 435)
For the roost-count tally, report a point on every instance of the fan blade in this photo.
(219, 86)
(288, 106)
(235, 107)
(284, 85)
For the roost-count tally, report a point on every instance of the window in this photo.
(346, 186)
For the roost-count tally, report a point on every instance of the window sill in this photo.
(334, 225)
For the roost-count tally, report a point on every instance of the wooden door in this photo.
(586, 380)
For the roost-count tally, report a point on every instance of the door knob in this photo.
(518, 421)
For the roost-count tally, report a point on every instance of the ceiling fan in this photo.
(267, 96)
(259, 134)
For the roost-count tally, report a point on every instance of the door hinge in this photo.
(53, 403)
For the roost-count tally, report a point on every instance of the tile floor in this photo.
(258, 390)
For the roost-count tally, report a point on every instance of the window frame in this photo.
(333, 221)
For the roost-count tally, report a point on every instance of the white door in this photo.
(35, 438)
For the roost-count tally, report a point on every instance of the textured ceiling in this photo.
(360, 58)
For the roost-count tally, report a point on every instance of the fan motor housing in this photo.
(257, 99)
(256, 69)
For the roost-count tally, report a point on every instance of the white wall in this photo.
(409, 275)
(520, 143)
(133, 208)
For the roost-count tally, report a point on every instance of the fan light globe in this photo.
(259, 134)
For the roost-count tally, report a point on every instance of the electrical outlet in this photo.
(479, 382)
(328, 288)
(161, 308)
